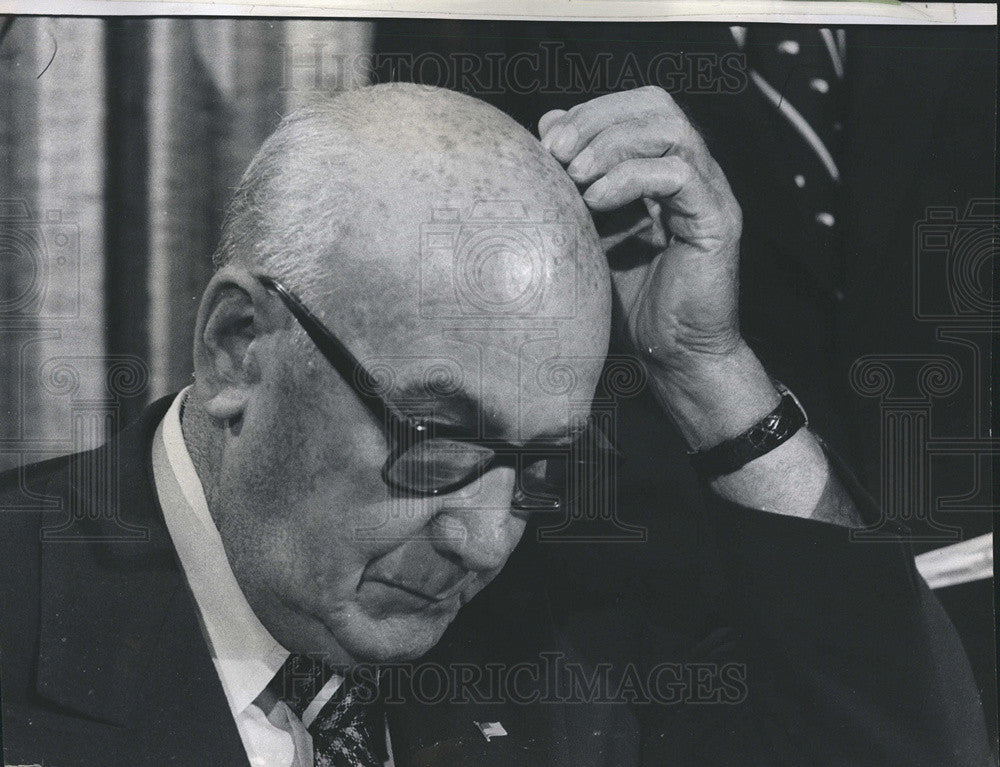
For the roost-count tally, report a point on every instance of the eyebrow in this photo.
(413, 399)
(463, 413)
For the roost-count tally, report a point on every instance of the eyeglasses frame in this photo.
(413, 431)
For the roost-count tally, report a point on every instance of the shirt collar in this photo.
(245, 654)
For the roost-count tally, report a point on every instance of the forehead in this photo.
(522, 382)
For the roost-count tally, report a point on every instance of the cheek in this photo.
(515, 532)
(344, 495)
(319, 498)
(384, 526)
(341, 542)
(348, 498)
(346, 520)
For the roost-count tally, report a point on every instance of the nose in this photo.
(475, 523)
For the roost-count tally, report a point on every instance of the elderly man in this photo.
(393, 367)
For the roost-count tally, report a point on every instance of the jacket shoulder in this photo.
(30, 493)
(15, 479)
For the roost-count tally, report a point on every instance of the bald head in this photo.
(338, 199)
(455, 259)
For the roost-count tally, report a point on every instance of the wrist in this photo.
(768, 434)
(715, 397)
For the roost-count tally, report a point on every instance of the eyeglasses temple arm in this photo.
(339, 356)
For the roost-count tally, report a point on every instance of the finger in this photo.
(547, 120)
(695, 210)
(652, 136)
(670, 179)
(574, 130)
(630, 180)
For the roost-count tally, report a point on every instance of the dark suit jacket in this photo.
(792, 646)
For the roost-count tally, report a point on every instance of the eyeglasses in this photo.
(428, 458)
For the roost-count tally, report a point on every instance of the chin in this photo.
(394, 638)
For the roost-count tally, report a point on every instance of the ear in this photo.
(232, 319)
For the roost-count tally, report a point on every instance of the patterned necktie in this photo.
(806, 66)
(349, 730)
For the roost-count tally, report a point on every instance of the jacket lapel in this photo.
(119, 640)
(188, 716)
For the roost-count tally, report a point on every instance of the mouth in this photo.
(417, 593)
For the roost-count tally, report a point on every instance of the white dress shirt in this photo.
(245, 654)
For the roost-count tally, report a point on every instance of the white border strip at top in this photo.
(791, 11)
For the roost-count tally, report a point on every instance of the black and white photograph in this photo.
(417, 389)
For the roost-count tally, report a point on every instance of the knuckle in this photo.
(627, 168)
(660, 131)
(684, 171)
(551, 118)
(692, 138)
(659, 101)
(573, 112)
(657, 122)
(656, 93)
(735, 213)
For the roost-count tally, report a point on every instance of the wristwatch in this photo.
(774, 429)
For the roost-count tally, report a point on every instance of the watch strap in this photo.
(774, 429)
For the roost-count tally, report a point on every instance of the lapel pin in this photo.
(491, 730)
